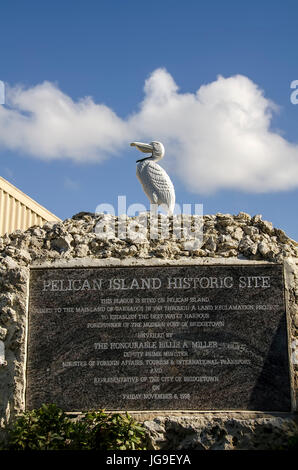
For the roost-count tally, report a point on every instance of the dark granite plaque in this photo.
(158, 338)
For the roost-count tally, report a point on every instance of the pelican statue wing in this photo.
(156, 184)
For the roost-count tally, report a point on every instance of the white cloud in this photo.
(218, 137)
(44, 122)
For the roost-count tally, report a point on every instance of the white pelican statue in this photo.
(155, 181)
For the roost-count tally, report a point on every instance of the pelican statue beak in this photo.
(145, 148)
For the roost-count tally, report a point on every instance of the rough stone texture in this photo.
(219, 433)
(225, 236)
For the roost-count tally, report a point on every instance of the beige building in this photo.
(18, 211)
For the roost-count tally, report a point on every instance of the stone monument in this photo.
(198, 343)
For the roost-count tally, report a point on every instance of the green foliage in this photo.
(49, 428)
(292, 443)
(113, 431)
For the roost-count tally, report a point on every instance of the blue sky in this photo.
(108, 50)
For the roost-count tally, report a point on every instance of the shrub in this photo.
(49, 428)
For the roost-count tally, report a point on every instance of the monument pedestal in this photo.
(198, 347)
